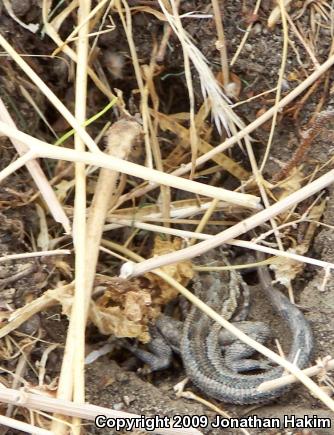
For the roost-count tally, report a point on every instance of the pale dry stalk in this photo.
(42, 149)
(22, 426)
(221, 42)
(120, 140)
(52, 33)
(131, 270)
(233, 242)
(72, 375)
(38, 176)
(34, 254)
(38, 402)
(49, 95)
(326, 364)
(250, 127)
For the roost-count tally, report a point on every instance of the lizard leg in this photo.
(237, 354)
(158, 355)
(165, 338)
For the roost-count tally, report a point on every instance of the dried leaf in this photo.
(293, 76)
(292, 184)
(286, 269)
(315, 215)
(202, 126)
(182, 272)
(124, 310)
(63, 267)
(129, 319)
(43, 238)
(63, 188)
(166, 123)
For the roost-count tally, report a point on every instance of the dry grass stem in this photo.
(188, 75)
(49, 95)
(325, 364)
(11, 257)
(178, 210)
(206, 217)
(86, 20)
(77, 340)
(152, 147)
(222, 113)
(38, 175)
(302, 41)
(72, 378)
(246, 34)
(21, 426)
(42, 149)
(233, 242)
(32, 27)
(164, 43)
(276, 13)
(37, 109)
(127, 24)
(20, 372)
(221, 41)
(260, 183)
(65, 407)
(279, 82)
(130, 270)
(261, 119)
(50, 29)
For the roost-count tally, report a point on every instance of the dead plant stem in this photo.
(72, 376)
(42, 149)
(279, 83)
(221, 42)
(130, 270)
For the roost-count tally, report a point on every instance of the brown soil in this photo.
(108, 382)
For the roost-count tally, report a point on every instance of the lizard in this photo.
(200, 340)
(201, 352)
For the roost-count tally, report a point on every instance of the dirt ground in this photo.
(112, 380)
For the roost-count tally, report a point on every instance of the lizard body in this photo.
(201, 352)
(199, 341)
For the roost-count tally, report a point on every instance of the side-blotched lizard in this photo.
(200, 341)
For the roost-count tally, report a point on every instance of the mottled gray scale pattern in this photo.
(215, 361)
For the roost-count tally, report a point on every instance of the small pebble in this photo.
(31, 326)
(128, 400)
(257, 29)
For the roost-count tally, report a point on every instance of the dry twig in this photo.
(42, 149)
(327, 364)
(130, 270)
